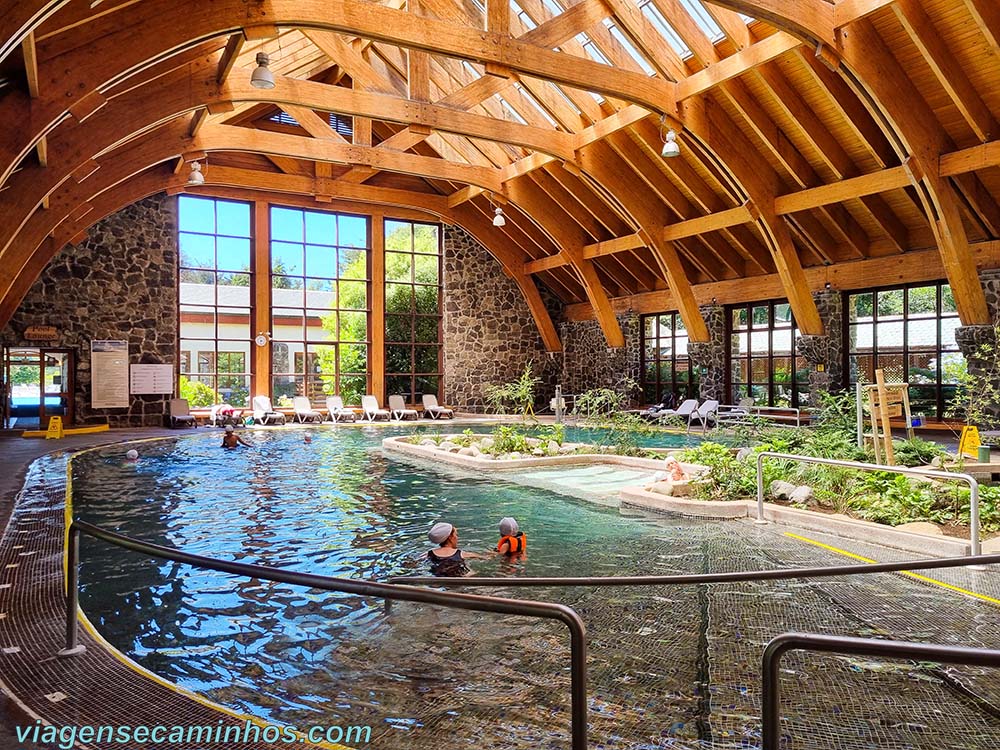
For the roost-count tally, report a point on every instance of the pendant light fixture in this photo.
(262, 77)
(671, 147)
(196, 177)
(498, 218)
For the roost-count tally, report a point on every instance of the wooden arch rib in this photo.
(71, 210)
(871, 70)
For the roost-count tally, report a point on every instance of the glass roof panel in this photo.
(703, 19)
(650, 11)
(632, 51)
(526, 96)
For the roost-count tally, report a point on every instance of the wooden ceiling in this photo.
(825, 142)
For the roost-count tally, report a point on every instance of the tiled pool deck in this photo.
(96, 687)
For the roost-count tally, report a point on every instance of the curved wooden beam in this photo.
(18, 18)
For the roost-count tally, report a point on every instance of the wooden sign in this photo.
(969, 442)
(41, 333)
(894, 410)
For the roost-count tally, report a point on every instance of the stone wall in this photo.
(588, 362)
(980, 345)
(489, 333)
(709, 357)
(120, 283)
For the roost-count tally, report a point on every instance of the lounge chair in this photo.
(338, 412)
(399, 411)
(304, 411)
(707, 412)
(656, 410)
(433, 410)
(683, 411)
(180, 413)
(372, 410)
(263, 413)
(734, 413)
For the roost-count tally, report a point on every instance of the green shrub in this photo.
(916, 452)
(555, 432)
(198, 394)
(509, 438)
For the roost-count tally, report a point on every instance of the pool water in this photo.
(669, 667)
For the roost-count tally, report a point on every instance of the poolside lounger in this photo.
(399, 411)
(707, 412)
(263, 413)
(656, 410)
(684, 411)
(304, 411)
(433, 410)
(734, 412)
(180, 413)
(372, 410)
(338, 412)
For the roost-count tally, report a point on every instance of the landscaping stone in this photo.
(470, 451)
(533, 442)
(486, 443)
(563, 449)
(802, 494)
(921, 527)
(552, 448)
(743, 454)
(447, 445)
(781, 489)
(428, 442)
(538, 452)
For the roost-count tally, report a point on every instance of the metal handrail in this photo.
(735, 410)
(905, 470)
(546, 610)
(778, 647)
(696, 578)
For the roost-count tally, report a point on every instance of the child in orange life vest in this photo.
(512, 540)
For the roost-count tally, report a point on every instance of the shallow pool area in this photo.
(670, 667)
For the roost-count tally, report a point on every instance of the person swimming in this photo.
(512, 540)
(447, 560)
(232, 440)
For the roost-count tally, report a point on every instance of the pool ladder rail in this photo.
(407, 588)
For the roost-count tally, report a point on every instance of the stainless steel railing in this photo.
(778, 647)
(905, 470)
(498, 605)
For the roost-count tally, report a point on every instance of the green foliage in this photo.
(198, 394)
(728, 478)
(837, 412)
(895, 499)
(915, 452)
(24, 375)
(509, 438)
(555, 432)
(518, 395)
(598, 404)
(465, 439)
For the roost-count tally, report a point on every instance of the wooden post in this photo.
(260, 380)
(883, 405)
(376, 347)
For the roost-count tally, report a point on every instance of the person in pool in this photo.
(231, 440)
(447, 559)
(512, 542)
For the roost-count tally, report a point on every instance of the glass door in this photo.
(57, 386)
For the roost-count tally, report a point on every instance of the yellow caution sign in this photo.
(55, 430)
(969, 442)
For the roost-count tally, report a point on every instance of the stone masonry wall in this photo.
(489, 333)
(975, 340)
(588, 362)
(825, 354)
(709, 357)
(120, 283)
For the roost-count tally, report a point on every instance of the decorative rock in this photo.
(428, 441)
(552, 448)
(782, 490)
(563, 449)
(537, 452)
(803, 495)
(922, 527)
(447, 445)
(533, 442)
(470, 451)
(743, 454)
(486, 443)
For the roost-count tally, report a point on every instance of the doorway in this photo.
(37, 385)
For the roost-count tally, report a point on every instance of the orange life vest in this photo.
(515, 544)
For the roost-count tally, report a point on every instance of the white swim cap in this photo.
(440, 532)
(508, 526)
(229, 428)
(132, 455)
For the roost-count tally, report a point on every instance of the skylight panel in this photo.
(701, 17)
(509, 112)
(526, 96)
(632, 51)
(526, 20)
(552, 6)
(591, 49)
(468, 67)
(653, 15)
(283, 118)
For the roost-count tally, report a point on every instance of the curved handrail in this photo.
(905, 470)
(547, 610)
(782, 644)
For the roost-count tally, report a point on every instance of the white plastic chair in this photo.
(433, 410)
(684, 411)
(263, 413)
(304, 411)
(399, 410)
(705, 413)
(371, 408)
(338, 412)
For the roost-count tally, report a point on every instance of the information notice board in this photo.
(147, 379)
(109, 374)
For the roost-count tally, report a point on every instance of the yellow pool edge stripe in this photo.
(118, 655)
(907, 573)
